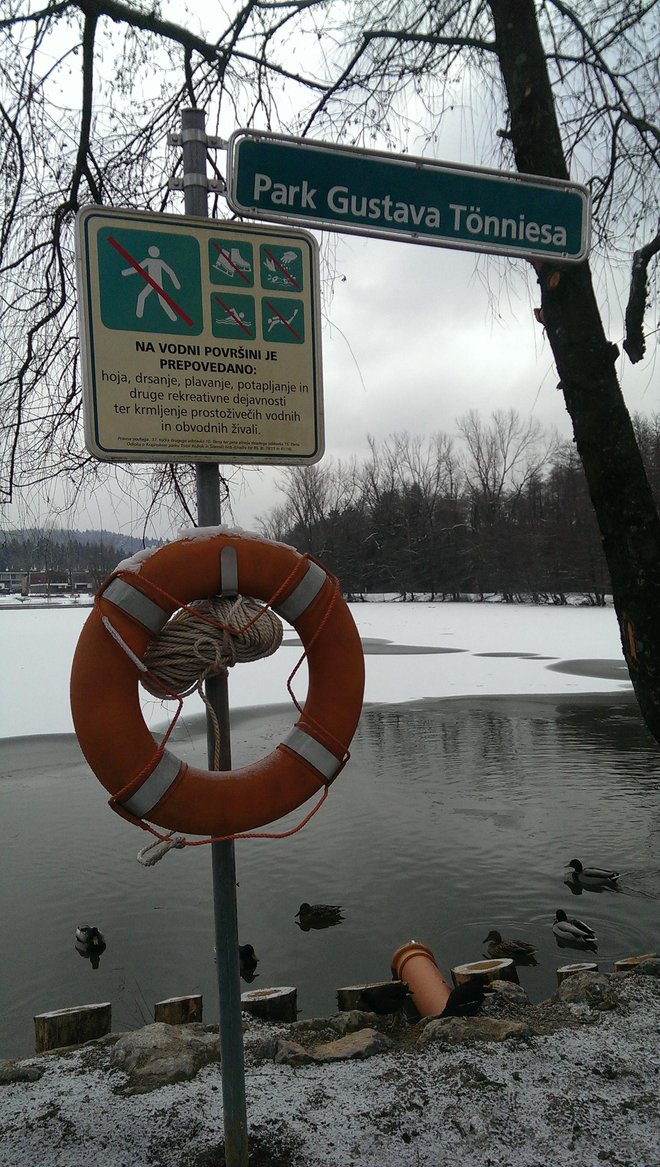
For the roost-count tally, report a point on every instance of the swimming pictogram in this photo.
(233, 316)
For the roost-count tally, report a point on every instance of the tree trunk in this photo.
(585, 359)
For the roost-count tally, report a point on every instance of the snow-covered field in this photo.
(483, 649)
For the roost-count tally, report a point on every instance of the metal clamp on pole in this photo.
(194, 134)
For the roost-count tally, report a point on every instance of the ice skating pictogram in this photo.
(231, 263)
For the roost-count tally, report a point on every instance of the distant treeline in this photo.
(501, 508)
(94, 552)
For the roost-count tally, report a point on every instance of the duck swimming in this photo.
(91, 937)
(592, 875)
(318, 916)
(570, 930)
(518, 950)
(248, 961)
(90, 944)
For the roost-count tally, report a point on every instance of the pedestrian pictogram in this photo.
(231, 263)
(283, 320)
(233, 316)
(150, 283)
(154, 269)
(281, 267)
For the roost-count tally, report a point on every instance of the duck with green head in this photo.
(571, 931)
(592, 876)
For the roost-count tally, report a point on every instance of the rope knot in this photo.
(153, 852)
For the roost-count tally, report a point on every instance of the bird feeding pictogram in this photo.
(150, 283)
(281, 268)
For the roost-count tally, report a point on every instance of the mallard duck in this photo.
(248, 961)
(568, 928)
(318, 916)
(518, 950)
(90, 944)
(592, 875)
(90, 937)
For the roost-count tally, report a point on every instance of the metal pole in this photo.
(193, 136)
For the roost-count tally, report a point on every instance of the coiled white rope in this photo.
(188, 651)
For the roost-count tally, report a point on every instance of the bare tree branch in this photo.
(635, 343)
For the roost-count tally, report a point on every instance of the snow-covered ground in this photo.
(480, 649)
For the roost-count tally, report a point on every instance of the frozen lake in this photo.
(481, 648)
(496, 744)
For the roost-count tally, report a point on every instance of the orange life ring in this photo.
(131, 608)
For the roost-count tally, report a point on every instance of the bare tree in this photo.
(312, 494)
(501, 458)
(562, 84)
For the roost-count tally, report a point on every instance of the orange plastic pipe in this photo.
(415, 964)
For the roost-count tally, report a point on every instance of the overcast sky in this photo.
(415, 336)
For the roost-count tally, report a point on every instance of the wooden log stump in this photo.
(569, 970)
(503, 969)
(73, 1026)
(280, 1004)
(373, 997)
(628, 963)
(179, 1010)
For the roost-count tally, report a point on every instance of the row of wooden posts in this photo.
(81, 1023)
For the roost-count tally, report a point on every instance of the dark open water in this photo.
(452, 818)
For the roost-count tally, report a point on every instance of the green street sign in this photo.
(414, 200)
(200, 340)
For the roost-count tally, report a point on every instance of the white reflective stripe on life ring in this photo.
(134, 602)
(307, 747)
(302, 595)
(155, 786)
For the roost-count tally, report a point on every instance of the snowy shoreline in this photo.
(583, 1091)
